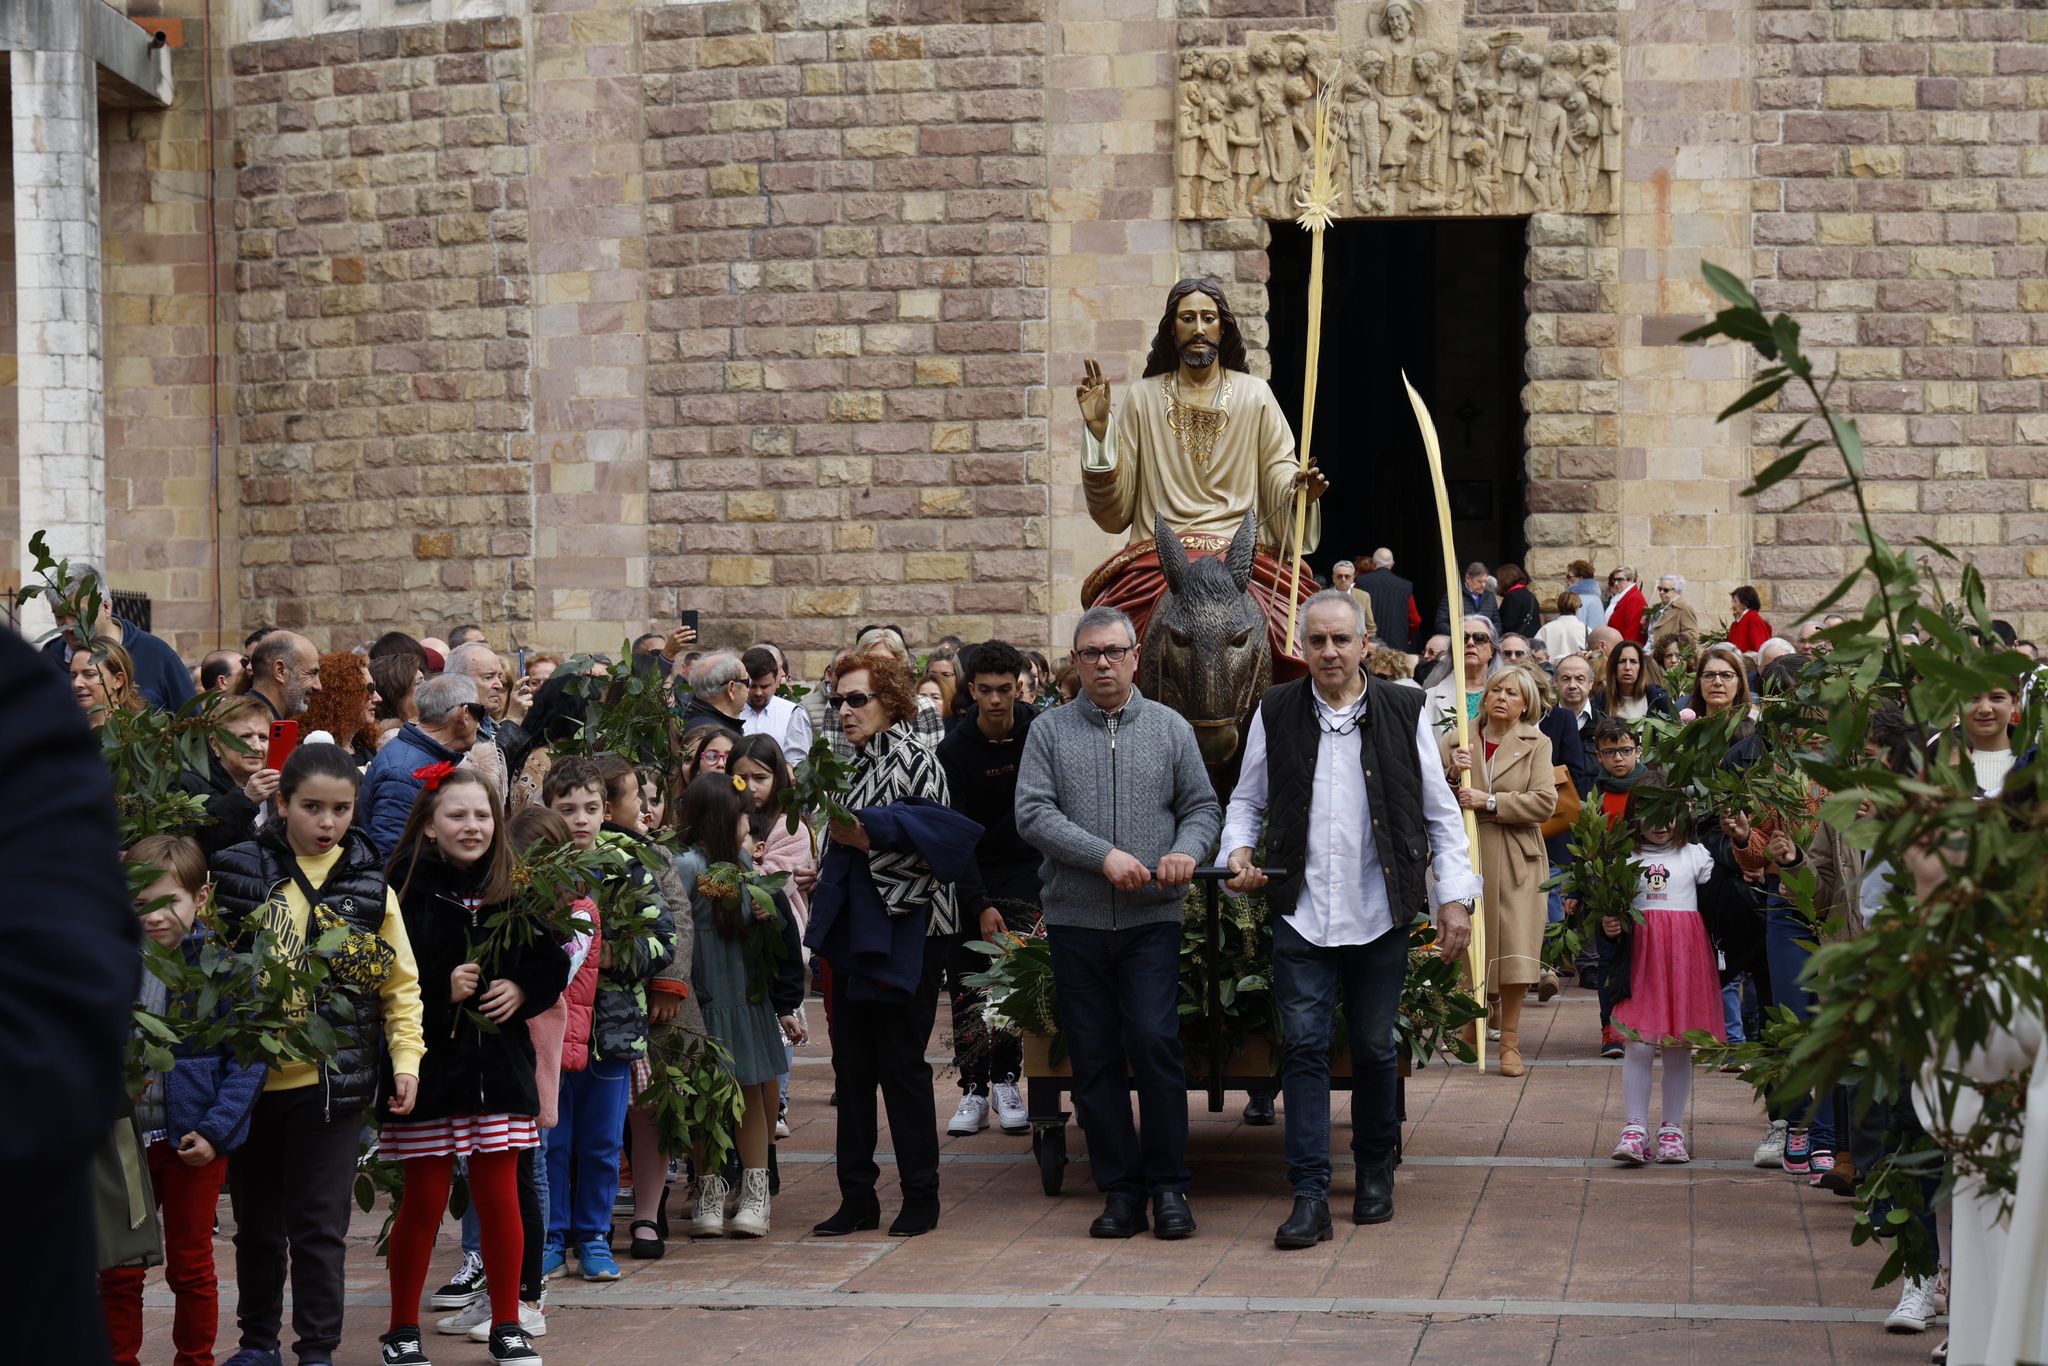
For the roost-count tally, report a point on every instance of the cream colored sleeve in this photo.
(1109, 480)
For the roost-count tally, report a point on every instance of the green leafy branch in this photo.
(1601, 876)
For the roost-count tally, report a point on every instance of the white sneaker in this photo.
(971, 1117)
(1771, 1152)
(751, 1219)
(533, 1321)
(782, 1119)
(1916, 1307)
(1011, 1114)
(709, 1220)
(473, 1320)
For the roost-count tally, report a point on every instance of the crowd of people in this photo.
(989, 793)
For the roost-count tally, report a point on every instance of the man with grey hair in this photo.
(450, 717)
(1344, 577)
(284, 670)
(1480, 601)
(718, 693)
(1777, 647)
(1344, 769)
(1112, 791)
(1672, 616)
(160, 676)
(1394, 618)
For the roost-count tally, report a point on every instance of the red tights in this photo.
(494, 1190)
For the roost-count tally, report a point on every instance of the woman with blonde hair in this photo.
(1512, 792)
(103, 679)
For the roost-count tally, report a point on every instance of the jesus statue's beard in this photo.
(1199, 354)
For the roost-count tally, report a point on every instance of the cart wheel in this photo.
(1049, 1146)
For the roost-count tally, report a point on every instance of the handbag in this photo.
(1568, 803)
(125, 1228)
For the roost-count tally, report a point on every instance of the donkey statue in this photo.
(1205, 652)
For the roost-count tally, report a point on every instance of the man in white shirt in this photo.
(1347, 774)
(767, 714)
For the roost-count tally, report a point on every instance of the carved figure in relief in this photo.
(1582, 144)
(1364, 137)
(1279, 150)
(1243, 135)
(1601, 80)
(1300, 93)
(1213, 168)
(1436, 88)
(1397, 22)
(1187, 141)
(1547, 148)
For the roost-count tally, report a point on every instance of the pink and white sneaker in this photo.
(1671, 1145)
(1630, 1151)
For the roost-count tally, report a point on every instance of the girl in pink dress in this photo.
(1673, 986)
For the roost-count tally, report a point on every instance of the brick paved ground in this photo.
(1515, 1240)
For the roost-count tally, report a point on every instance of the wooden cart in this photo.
(1253, 1069)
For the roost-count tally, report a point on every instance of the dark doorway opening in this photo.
(1441, 299)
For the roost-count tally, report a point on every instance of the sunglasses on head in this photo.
(856, 700)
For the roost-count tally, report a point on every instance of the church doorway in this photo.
(1442, 299)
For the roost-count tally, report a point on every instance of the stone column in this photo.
(61, 383)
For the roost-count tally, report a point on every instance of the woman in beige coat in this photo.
(1513, 791)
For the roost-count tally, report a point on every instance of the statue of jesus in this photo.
(1201, 442)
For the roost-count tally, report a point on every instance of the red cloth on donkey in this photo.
(1132, 582)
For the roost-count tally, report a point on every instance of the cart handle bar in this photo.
(1223, 873)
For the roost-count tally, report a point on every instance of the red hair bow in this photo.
(433, 775)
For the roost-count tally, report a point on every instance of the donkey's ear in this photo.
(1173, 556)
(1243, 551)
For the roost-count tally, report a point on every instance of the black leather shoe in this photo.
(1307, 1226)
(1123, 1216)
(1258, 1109)
(850, 1217)
(919, 1215)
(1374, 1203)
(1171, 1217)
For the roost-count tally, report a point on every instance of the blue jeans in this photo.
(1309, 982)
(1119, 1007)
(1556, 903)
(1731, 1008)
(1787, 947)
(583, 1152)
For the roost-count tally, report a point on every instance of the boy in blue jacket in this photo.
(192, 1117)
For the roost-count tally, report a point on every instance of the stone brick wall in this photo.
(846, 355)
(383, 359)
(155, 299)
(1903, 216)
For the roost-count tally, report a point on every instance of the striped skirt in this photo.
(459, 1135)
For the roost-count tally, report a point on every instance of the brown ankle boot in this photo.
(1510, 1064)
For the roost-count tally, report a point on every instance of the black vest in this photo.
(247, 876)
(1393, 788)
(1389, 593)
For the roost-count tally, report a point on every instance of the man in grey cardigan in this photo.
(1112, 791)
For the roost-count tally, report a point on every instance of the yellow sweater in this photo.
(404, 1023)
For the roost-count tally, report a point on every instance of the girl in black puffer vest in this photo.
(305, 876)
(478, 1098)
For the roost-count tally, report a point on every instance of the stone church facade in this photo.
(558, 314)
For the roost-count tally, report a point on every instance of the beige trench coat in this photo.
(1511, 859)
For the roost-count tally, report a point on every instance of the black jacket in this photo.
(469, 1070)
(1659, 701)
(245, 879)
(1390, 594)
(981, 779)
(698, 712)
(1393, 789)
(67, 986)
(1520, 615)
(233, 814)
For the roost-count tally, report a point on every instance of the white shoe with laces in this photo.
(1771, 1152)
(533, 1321)
(709, 1219)
(750, 1220)
(1915, 1309)
(1012, 1117)
(474, 1321)
(971, 1117)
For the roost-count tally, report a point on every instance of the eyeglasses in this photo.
(1618, 753)
(1514, 654)
(1096, 654)
(1717, 676)
(856, 700)
(1666, 588)
(1479, 640)
(1616, 578)
(478, 711)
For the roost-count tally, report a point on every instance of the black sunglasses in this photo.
(835, 700)
(477, 710)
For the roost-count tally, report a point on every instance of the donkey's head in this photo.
(1206, 654)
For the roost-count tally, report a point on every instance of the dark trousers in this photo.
(291, 1183)
(48, 1262)
(1119, 1008)
(1884, 1131)
(980, 1054)
(1309, 983)
(878, 1046)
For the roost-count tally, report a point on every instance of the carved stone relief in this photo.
(1426, 118)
